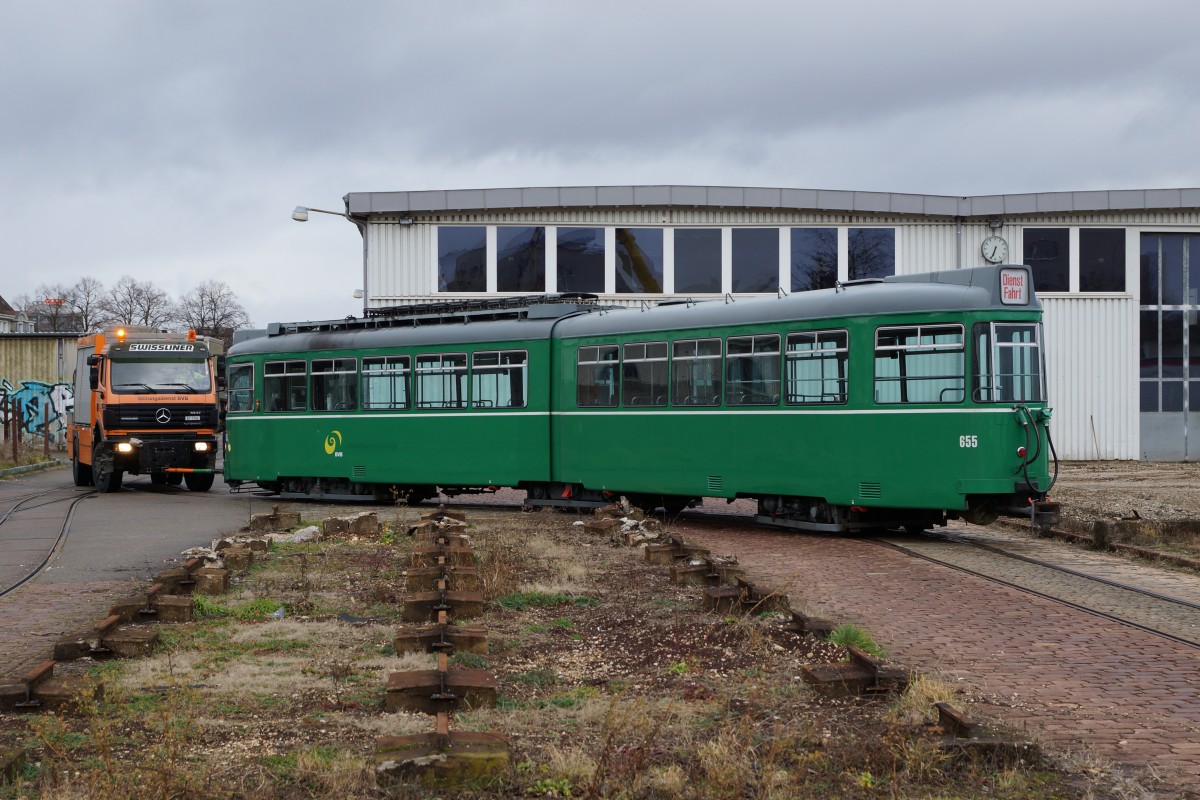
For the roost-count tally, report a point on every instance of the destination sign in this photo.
(164, 348)
(1014, 287)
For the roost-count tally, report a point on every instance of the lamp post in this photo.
(300, 214)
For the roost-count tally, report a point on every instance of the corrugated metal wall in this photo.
(1091, 341)
(1091, 361)
(49, 360)
(35, 371)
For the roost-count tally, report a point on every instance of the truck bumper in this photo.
(154, 455)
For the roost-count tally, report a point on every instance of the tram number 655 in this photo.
(968, 441)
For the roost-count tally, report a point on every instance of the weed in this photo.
(470, 661)
(551, 787)
(680, 667)
(536, 677)
(522, 601)
(852, 635)
(573, 698)
(916, 705)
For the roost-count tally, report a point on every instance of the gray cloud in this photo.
(170, 140)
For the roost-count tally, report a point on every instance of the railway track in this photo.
(32, 540)
(1129, 594)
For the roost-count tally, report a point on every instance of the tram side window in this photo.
(442, 380)
(596, 376)
(1008, 363)
(498, 379)
(816, 367)
(696, 372)
(334, 384)
(752, 370)
(385, 383)
(285, 385)
(241, 388)
(644, 374)
(919, 364)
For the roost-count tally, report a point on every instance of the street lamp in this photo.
(300, 214)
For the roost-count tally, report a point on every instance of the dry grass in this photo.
(290, 708)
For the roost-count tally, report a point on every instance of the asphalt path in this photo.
(130, 534)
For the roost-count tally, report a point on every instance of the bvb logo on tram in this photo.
(332, 442)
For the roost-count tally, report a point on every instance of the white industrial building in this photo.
(1112, 269)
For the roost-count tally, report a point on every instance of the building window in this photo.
(1101, 259)
(1048, 253)
(581, 260)
(520, 259)
(755, 260)
(639, 260)
(498, 379)
(814, 259)
(752, 370)
(644, 374)
(698, 261)
(696, 372)
(596, 376)
(462, 259)
(241, 388)
(816, 367)
(442, 381)
(334, 384)
(872, 253)
(385, 383)
(285, 385)
(919, 364)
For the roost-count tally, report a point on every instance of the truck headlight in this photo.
(124, 447)
(201, 447)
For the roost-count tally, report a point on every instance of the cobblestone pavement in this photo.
(1157, 613)
(1071, 679)
(35, 615)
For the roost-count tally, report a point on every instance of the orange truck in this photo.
(146, 402)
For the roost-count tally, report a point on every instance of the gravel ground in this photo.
(1112, 490)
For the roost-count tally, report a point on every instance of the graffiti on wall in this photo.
(38, 402)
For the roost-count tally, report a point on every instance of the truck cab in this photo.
(146, 402)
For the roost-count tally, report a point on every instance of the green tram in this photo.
(895, 402)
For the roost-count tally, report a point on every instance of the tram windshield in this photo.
(1009, 364)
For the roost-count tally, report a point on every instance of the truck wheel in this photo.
(174, 478)
(158, 478)
(199, 481)
(105, 478)
(82, 473)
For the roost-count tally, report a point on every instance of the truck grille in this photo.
(151, 416)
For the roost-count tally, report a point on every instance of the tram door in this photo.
(1170, 346)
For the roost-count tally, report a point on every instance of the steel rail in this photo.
(59, 540)
(1044, 596)
(950, 537)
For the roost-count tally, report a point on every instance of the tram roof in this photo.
(950, 290)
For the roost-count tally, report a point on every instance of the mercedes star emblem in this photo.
(163, 415)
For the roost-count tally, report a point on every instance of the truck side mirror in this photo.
(221, 373)
(94, 376)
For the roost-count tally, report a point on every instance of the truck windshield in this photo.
(159, 377)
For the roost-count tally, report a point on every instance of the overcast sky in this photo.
(170, 140)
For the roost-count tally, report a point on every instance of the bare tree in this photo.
(212, 309)
(85, 296)
(52, 309)
(133, 302)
